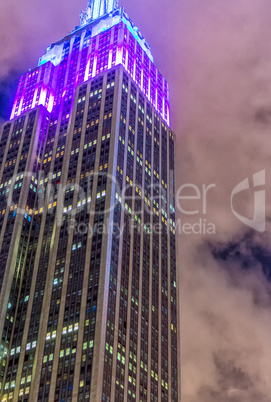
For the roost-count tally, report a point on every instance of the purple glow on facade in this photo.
(86, 54)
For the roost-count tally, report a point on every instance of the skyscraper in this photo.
(88, 291)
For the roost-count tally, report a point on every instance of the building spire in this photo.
(96, 9)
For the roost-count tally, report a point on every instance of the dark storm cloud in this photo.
(217, 58)
(253, 261)
(263, 115)
(8, 88)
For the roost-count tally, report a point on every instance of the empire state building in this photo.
(88, 283)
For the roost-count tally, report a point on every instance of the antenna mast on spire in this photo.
(96, 9)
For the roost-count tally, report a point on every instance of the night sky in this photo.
(217, 58)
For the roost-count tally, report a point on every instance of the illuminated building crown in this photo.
(106, 37)
(96, 9)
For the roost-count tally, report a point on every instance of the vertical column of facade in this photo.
(63, 273)
(89, 309)
(162, 277)
(12, 167)
(90, 59)
(120, 344)
(94, 299)
(125, 54)
(6, 131)
(156, 262)
(116, 44)
(40, 317)
(61, 337)
(123, 356)
(85, 54)
(5, 138)
(68, 194)
(103, 51)
(173, 274)
(35, 95)
(95, 50)
(115, 232)
(36, 267)
(167, 188)
(164, 290)
(10, 146)
(84, 75)
(22, 93)
(140, 207)
(20, 205)
(13, 146)
(62, 237)
(111, 231)
(144, 280)
(134, 261)
(45, 210)
(33, 175)
(149, 194)
(130, 53)
(38, 255)
(88, 185)
(119, 337)
(120, 48)
(28, 286)
(27, 209)
(29, 90)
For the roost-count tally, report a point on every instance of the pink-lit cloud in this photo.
(217, 58)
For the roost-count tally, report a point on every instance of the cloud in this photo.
(225, 326)
(28, 27)
(8, 87)
(223, 138)
(217, 58)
